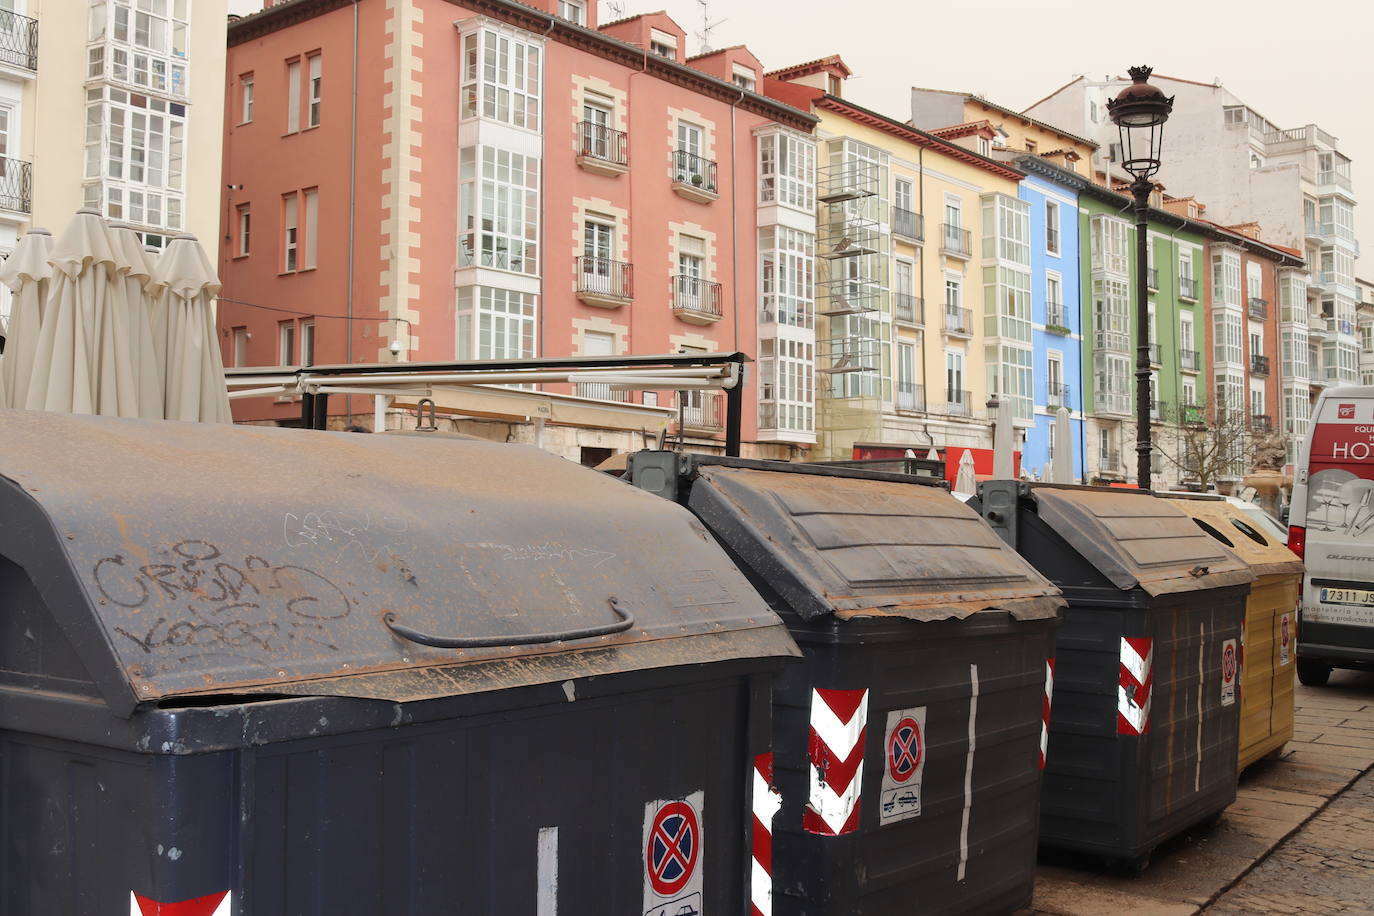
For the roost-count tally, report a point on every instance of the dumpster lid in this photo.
(1136, 539)
(183, 558)
(1222, 520)
(862, 546)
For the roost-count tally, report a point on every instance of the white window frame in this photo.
(243, 240)
(286, 343)
(312, 223)
(239, 356)
(1052, 222)
(307, 335)
(293, 96)
(314, 87)
(290, 233)
(575, 11)
(246, 98)
(502, 78)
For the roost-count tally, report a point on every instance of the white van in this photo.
(1331, 526)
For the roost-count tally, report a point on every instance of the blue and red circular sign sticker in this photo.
(674, 845)
(1228, 662)
(905, 749)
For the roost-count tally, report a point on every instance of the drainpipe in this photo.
(921, 206)
(543, 233)
(352, 206)
(1082, 337)
(734, 221)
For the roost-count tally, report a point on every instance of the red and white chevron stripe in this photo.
(1136, 677)
(1045, 711)
(839, 724)
(766, 803)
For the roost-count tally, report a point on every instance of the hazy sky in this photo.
(1293, 62)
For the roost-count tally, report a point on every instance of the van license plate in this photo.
(1357, 596)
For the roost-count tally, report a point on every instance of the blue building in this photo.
(1056, 319)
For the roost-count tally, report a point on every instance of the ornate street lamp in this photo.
(1139, 112)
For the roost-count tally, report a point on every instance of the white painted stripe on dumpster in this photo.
(1201, 686)
(968, 767)
(546, 899)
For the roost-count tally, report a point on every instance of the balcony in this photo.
(605, 283)
(1259, 365)
(956, 242)
(851, 179)
(601, 391)
(1158, 410)
(16, 185)
(958, 322)
(1259, 309)
(911, 397)
(1315, 230)
(1113, 404)
(1294, 314)
(18, 41)
(1192, 414)
(1187, 288)
(694, 177)
(1334, 178)
(1317, 325)
(700, 412)
(908, 224)
(604, 151)
(1055, 318)
(1152, 278)
(1057, 396)
(908, 308)
(958, 403)
(1261, 422)
(1110, 460)
(1188, 360)
(696, 301)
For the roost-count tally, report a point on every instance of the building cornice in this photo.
(293, 12)
(916, 136)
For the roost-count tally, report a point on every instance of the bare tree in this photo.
(1204, 445)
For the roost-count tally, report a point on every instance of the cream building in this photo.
(101, 105)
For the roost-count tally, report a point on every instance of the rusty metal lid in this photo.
(1136, 539)
(859, 546)
(202, 558)
(1247, 539)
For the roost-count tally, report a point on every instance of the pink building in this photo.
(433, 181)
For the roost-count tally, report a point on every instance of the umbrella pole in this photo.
(307, 411)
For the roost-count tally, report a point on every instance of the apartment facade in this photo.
(911, 252)
(598, 194)
(115, 105)
(1295, 183)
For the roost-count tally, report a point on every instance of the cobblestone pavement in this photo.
(1329, 863)
(1326, 867)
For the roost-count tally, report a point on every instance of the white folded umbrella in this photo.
(27, 273)
(134, 272)
(184, 329)
(86, 360)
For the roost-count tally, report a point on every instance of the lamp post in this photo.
(1139, 112)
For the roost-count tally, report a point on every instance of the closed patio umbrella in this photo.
(27, 273)
(86, 352)
(1063, 447)
(1003, 442)
(964, 481)
(134, 271)
(184, 331)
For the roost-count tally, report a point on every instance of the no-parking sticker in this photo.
(673, 855)
(1230, 668)
(1285, 638)
(904, 763)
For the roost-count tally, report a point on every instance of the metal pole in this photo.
(321, 411)
(307, 411)
(734, 414)
(1141, 189)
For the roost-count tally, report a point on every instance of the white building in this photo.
(115, 104)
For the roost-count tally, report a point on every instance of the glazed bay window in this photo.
(787, 390)
(498, 209)
(1111, 313)
(501, 78)
(1226, 278)
(1008, 291)
(1010, 377)
(1109, 244)
(1294, 345)
(495, 323)
(142, 43)
(135, 157)
(787, 170)
(1006, 229)
(1293, 298)
(1226, 339)
(787, 267)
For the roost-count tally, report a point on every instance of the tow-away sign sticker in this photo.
(674, 851)
(1230, 669)
(904, 764)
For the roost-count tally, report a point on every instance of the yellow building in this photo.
(900, 286)
(977, 124)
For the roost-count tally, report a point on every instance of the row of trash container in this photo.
(263, 672)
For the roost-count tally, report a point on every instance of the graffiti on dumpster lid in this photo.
(338, 532)
(548, 550)
(202, 602)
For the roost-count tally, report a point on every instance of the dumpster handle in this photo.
(626, 621)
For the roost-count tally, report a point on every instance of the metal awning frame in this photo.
(314, 384)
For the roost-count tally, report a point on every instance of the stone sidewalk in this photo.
(1333, 746)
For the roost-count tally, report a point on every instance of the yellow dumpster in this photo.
(1269, 642)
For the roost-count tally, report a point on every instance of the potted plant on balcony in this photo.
(697, 180)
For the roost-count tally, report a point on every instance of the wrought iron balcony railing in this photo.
(18, 40)
(908, 308)
(692, 171)
(603, 278)
(604, 143)
(911, 396)
(695, 297)
(956, 241)
(908, 224)
(16, 185)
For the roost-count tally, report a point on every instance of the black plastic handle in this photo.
(626, 621)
